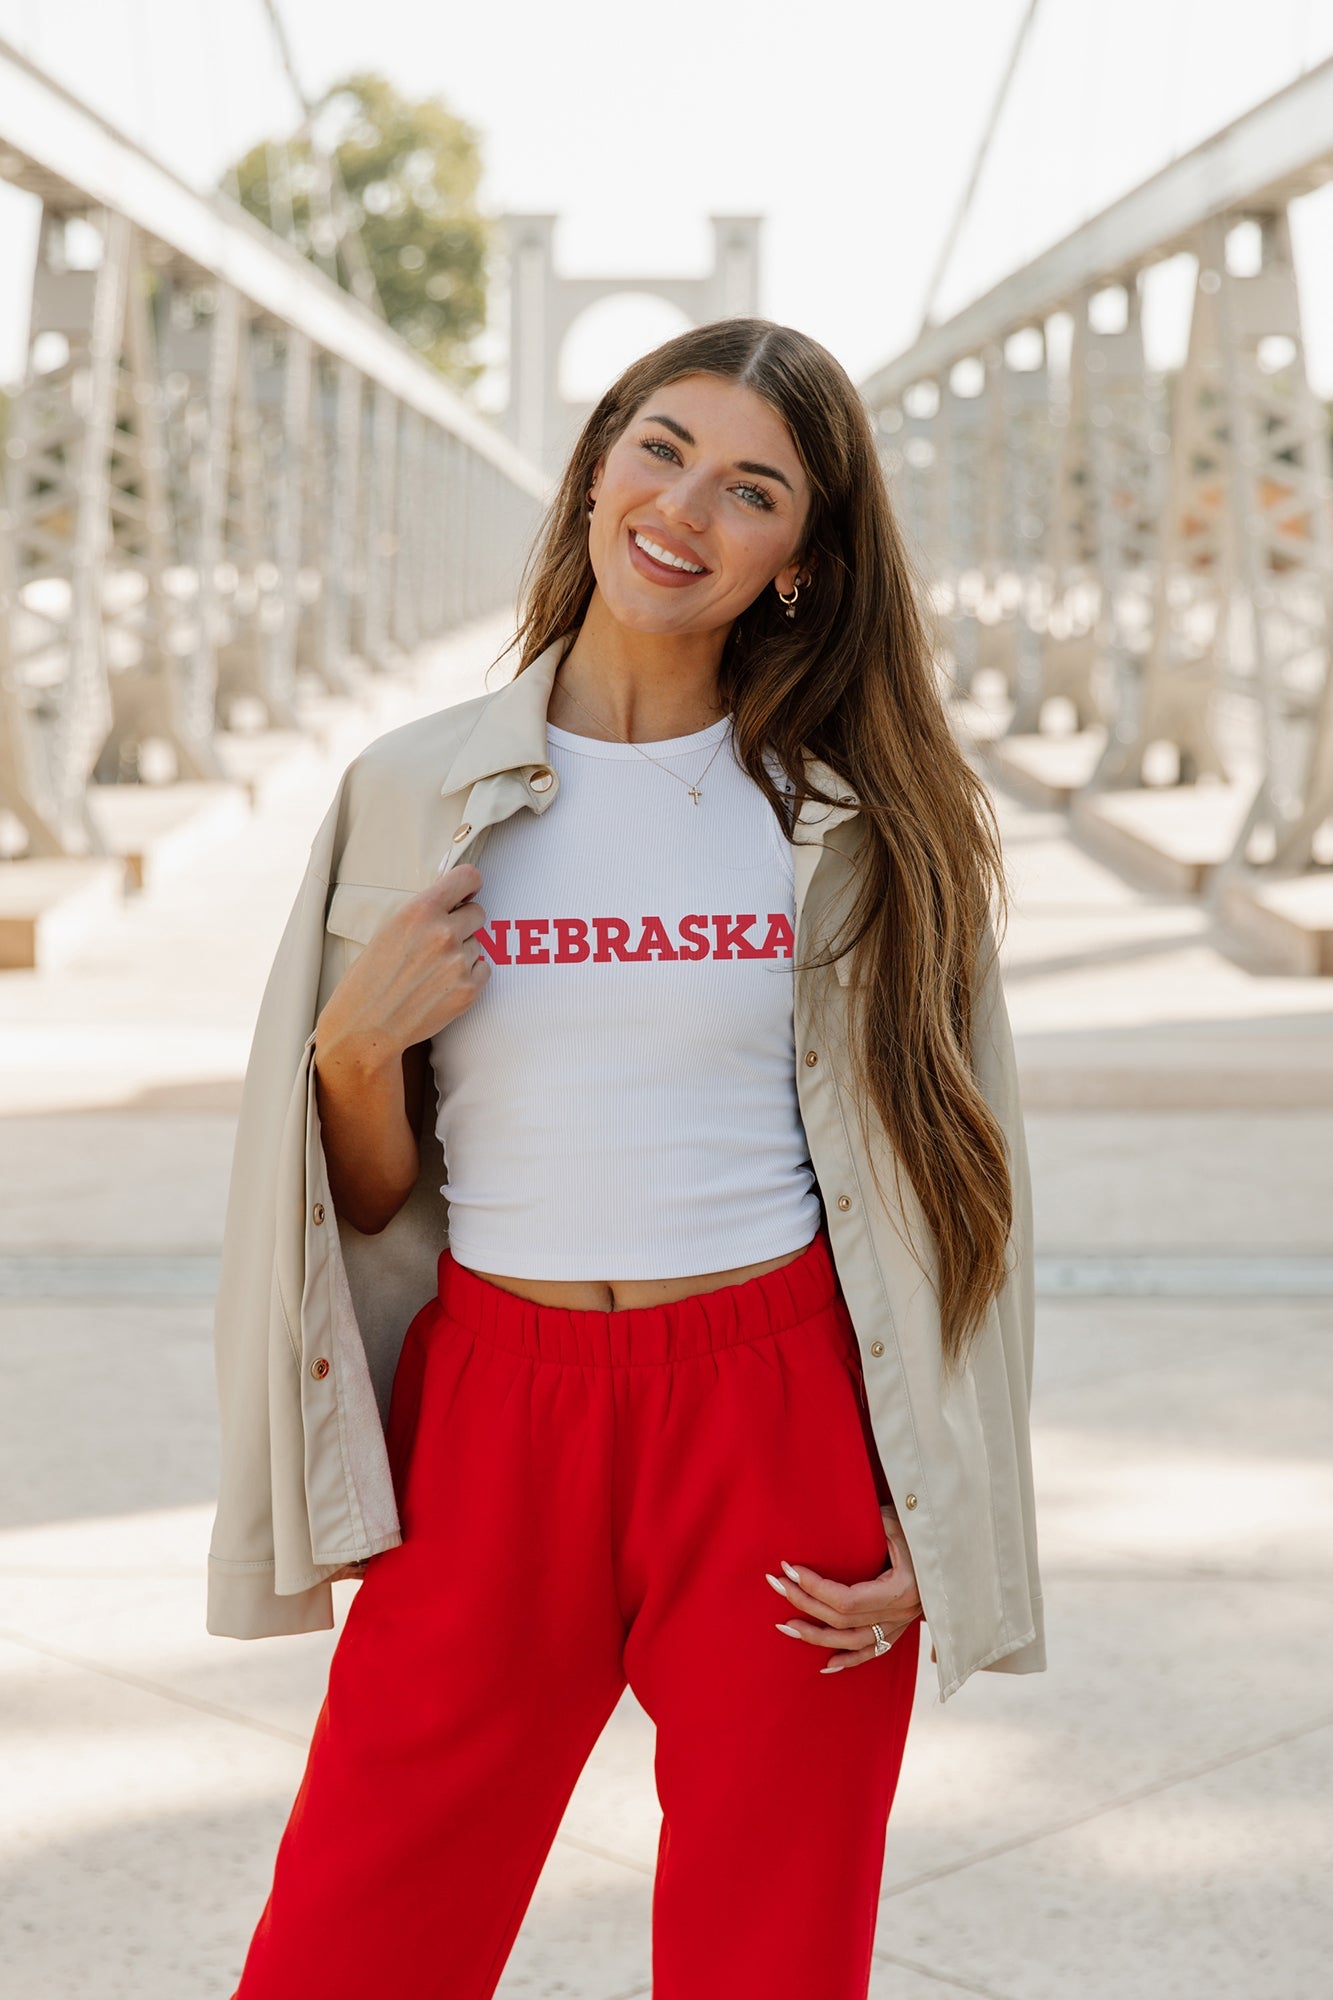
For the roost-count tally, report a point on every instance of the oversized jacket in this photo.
(311, 1314)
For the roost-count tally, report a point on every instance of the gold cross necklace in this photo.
(693, 789)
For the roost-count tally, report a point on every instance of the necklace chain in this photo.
(693, 789)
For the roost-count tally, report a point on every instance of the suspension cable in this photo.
(983, 150)
(337, 201)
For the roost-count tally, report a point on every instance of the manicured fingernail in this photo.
(791, 1572)
(777, 1584)
(791, 1631)
(833, 1667)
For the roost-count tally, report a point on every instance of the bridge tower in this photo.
(543, 306)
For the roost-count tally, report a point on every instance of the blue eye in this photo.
(761, 499)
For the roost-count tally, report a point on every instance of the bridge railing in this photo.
(224, 479)
(1162, 560)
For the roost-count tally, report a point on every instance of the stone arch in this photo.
(612, 331)
(544, 307)
(615, 329)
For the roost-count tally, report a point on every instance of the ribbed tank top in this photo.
(620, 1101)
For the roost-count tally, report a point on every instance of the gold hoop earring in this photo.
(790, 602)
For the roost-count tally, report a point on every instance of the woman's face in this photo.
(706, 471)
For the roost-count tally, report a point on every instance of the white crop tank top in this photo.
(620, 1100)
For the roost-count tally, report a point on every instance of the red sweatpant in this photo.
(590, 1498)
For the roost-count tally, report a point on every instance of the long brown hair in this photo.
(850, 679)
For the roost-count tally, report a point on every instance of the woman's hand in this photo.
(846, 1611)
(419, 972)
(372, 1039)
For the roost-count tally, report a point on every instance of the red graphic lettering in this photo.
(496, 948)
(529, 930)
(572, 945)
(655, 940)
(612, 937)
(730, 931)
(779, 942)
(571, 941)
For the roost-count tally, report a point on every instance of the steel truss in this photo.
(1169, 572)
(226, 481)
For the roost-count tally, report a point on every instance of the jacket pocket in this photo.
(358, 909)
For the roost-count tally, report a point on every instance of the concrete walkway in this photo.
(1149, 1818)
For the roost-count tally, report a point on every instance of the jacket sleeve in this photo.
(241, 1598)
(996, 1068)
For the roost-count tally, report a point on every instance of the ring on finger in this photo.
(881, 1643)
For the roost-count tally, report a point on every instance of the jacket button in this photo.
(319, 1369)
(318, 1211)
(877, 1347)
(909, 1499)
(463, 831)
(811, 1058)
(542, 779)
(844, 1202)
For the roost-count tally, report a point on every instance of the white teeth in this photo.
(660, 555)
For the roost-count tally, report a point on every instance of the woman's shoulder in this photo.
(385, 813)
(421, 748)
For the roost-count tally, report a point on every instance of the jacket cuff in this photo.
(1029, 1659)
(242, 1604)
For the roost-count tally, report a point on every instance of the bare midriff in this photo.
(618, 1294)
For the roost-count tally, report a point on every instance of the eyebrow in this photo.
(742, 464)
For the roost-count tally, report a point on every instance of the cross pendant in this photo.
(694, 793)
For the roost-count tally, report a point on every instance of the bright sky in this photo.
(849, 126)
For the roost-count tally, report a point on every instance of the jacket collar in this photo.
(510, 735)
(510, 732)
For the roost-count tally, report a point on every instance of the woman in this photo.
(691, 1341)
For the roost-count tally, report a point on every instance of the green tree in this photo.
(410, 170)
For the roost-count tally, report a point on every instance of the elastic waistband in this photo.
(595, 1337)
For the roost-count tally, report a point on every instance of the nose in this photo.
(685, 500)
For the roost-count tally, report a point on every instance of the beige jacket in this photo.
(311, 1314)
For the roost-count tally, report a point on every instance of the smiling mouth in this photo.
(663, 558)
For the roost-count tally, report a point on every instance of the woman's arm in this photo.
(370, 1127)
(372, 1044)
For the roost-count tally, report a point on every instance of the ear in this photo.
(800, 570)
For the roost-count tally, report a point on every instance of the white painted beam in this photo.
(1263, 159)
(57, 147)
